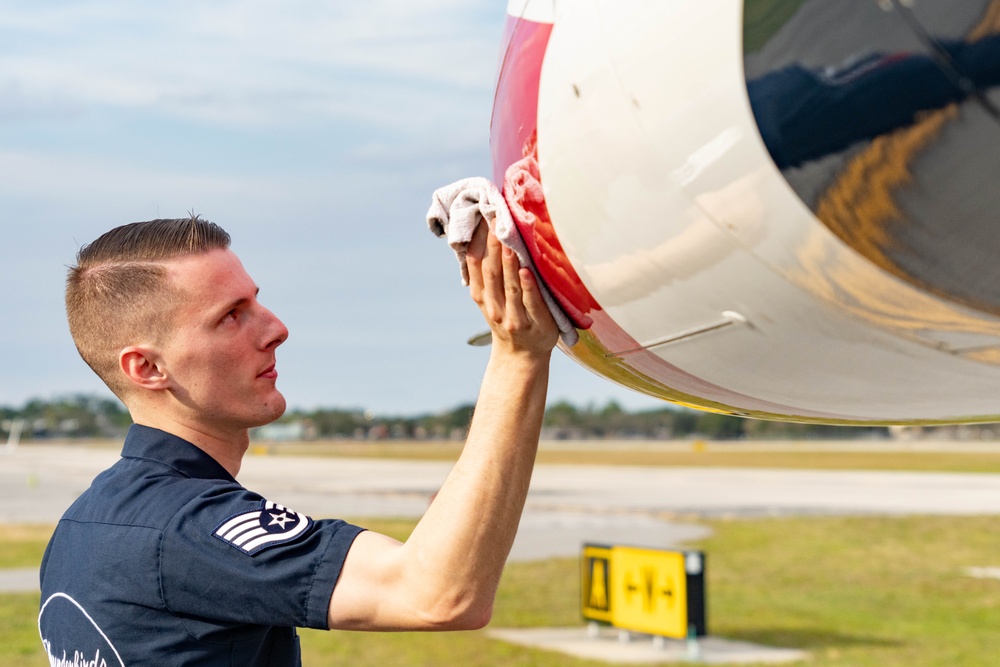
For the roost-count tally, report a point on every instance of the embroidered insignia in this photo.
(271, 525)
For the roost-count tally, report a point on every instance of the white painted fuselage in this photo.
(695, 271)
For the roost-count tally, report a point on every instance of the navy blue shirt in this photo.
(168, 560)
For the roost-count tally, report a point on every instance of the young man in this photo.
(167, 559)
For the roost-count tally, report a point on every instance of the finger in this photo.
(517, 316)
(493, 285)
(534, 304)
(474, 260)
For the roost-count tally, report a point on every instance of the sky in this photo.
(313, 131)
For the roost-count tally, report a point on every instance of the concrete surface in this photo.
(642, 649)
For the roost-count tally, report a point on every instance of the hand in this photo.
(509, 297)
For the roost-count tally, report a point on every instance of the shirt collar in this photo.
(145, 442)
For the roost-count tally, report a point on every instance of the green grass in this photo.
(23, 545)
(858, 592)
(854, 592)
(469, 649)
(792, 455)
(19, 643)
(796, 460)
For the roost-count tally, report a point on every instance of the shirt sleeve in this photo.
(231, 556)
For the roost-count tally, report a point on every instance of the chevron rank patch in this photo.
(271, 525)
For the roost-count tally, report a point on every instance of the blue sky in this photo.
(313, 131)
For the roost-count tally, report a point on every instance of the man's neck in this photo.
(226, 447)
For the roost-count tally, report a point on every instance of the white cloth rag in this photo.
(455, 213)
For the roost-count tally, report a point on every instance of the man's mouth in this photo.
(270, 372)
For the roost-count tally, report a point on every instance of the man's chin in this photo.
(272, 409)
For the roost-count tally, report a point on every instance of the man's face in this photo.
(219, 354)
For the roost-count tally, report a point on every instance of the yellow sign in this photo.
(648, 592)
(644, 590)
(596, 587)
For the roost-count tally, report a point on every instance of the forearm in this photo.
(468, 531)
(446, 574)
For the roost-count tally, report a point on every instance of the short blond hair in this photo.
(118, 294)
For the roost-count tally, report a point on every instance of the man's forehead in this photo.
(216, 275)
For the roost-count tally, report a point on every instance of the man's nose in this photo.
(277, 332)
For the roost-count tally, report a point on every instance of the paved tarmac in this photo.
(643, 649)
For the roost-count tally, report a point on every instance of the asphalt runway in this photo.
(567, 505)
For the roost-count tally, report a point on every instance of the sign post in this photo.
(660, 593)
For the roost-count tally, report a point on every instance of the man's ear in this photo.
(144, 367)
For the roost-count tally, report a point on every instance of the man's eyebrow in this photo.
(236, 303)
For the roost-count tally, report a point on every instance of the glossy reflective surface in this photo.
(604, 345)
(698, 270)
(883, 117)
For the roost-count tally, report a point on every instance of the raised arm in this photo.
(445, 575)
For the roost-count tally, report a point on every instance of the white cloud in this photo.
(37, 174)
(16, 103)
(253, 61)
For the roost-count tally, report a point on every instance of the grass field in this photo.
(795, 455)
(857, 592)
(847, 455)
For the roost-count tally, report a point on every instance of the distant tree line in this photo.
(84, 416)
(564, 421)
(77, 416)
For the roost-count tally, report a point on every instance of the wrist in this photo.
(524, 357)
